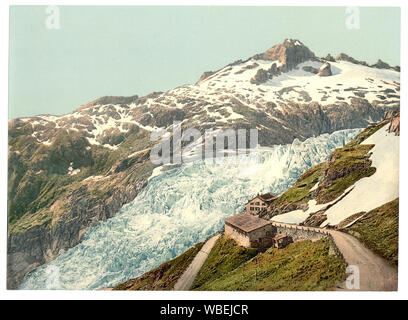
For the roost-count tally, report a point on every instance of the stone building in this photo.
(259, 203)
(250, 231)
(281, 240)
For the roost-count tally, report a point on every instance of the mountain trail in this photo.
(186, 280)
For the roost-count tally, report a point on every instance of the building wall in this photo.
(255, 206)
(300, 232)
(238, 236)
(259, 237)
(268, 230)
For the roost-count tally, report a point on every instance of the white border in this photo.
(101, 295)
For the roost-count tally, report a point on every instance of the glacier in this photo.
(177, 209)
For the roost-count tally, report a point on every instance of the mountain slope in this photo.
(358, 178)
(378, 230)
(68, 172)
(301, 266)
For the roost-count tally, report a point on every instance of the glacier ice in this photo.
(177, 209)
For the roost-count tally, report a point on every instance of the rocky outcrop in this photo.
(290, 53)
(41, 244)
(330, 58)
(261, 76)
(395, 124)
(325, 70)
(345, 57)
(310, 69)
(264, 75)
(383, 65)
(110, 100)
(204, 76)
(358, 114)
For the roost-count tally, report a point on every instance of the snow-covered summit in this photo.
(286, 92)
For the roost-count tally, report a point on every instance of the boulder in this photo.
(310, 69)
(330, 58)
(260, 77)
(325, 70)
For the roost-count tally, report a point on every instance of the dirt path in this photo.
(376, 274)
(187, 278)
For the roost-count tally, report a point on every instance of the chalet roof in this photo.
(247, 222)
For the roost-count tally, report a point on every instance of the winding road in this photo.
(376, 274)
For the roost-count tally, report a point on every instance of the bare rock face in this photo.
(383, 65)
(205, 75)
(310, 69)
(330, 58)
(325, 70)
(395, 124)
(110, 100)
(263, 75)
(316, 219)
(345, 57)
(40, 244)
(290, 53)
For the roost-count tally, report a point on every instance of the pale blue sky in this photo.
(125, 51)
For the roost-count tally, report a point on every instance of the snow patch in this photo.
(372, 192)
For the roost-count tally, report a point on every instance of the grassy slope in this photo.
(354, 162)
(38, 183)
(378, 230)
(299, 193)
(164, 276)
(303, 265)
(352, 157)
(225, 256)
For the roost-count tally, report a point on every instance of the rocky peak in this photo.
(345, 57)
(109, 100)
(383, 65)
(290, 53)
(204, 76)
(330, 58)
